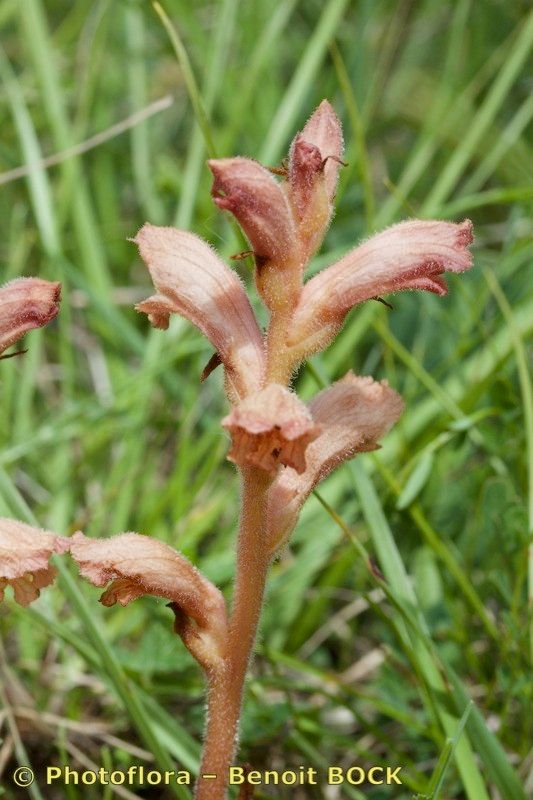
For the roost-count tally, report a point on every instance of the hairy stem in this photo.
(279, 362)
(226, 682)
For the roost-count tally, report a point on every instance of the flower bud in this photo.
(261, 208)
(256, 200)
(314, 161)
(323, 130)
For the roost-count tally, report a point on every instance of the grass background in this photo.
(105, 427)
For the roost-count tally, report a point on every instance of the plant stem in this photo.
(227, 682)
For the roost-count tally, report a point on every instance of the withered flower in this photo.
(25, 553)
(25, 304)
(192, 281)
(270, 428)
(135, 565)
(353, 414)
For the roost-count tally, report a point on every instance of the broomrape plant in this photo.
(282, 448)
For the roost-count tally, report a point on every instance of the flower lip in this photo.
(136, 565)
(270, 428)
(25, 552)
(25, 304)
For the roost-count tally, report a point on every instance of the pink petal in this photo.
(410, 255)
(26, 303)
(25, 552)
(353, 413)
(270, 428)
(192, 281)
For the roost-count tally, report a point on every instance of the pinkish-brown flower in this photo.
(270, 428)
(25, 304)
(135, 565)
(251, 193)
(25, 553)
(353, 414)
(255, 198)
(410, 255)
(192, 281)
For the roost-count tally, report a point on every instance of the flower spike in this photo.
(353, 414)
(192, 281)
(135, 565)
(25, 304)
(25, 552)
(410, 255)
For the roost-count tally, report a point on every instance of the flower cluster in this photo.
(285, 219)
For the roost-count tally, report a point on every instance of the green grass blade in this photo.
(289, 109)
(439, 773)
(450, 175)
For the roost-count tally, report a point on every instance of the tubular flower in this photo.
(25, 552)
(25, 304)
(261, 208)
(410, 255)
(135, 565)
(353, 414)
(255, 198)
(192, 281)
(270, 428)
